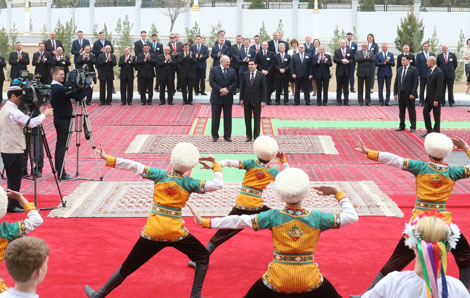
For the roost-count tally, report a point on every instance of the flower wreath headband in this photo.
(433, 256)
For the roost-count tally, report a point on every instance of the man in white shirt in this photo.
(12, 140)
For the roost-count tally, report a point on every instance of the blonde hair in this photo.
(432, 229)
(25, 255)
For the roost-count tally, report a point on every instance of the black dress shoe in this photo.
(214, 139)
(109, 104)
(318, 104)
(161, 103)
(143, 104)
(190, 103)
(353, 91)
(387, 104)
(286, 104)
(451, 105)
(338, 104)
(123, 104)
(361, 104)
(102, 104)
(170, 103)
(65, 176)
(248, 139)
(149, 103)
(367, 104)
(184, 103)
(129, 103)
(197, 93)
(347, 104)
(228, 139)
(412, 130)
(15, 209)
(307, 104)
(400, 129)
(202, 93)
(382, 104)
(325, 104)
(88, 103)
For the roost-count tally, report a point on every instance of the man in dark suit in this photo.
(18, 60)
(52, 44)
(3, 64)
(156, 48)
(406, 90)
(406, 52)
(186, 75)
(42, 62)
(352, 46)
(176, 47)
(244, 56)
(201, 53)
(385, 61)
(166, 75)
(281, 65)
(139, 44)
(146, 62)
(106, 62)
(126, 75)
(88, 60)
(234, 51)
(308, 44)
(301, 72)
(264, 60)
(322, 62)
(61, 60)
(342, 58)
(434, 97)
(447, 62)
(222, 36)
(218, 51)
(364, 59)
(223, 81)
(98, 45)
(273, 45)
(423, 70)
(257, 46)
(78, 45)
(253, 92)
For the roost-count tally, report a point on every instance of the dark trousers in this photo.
(200, 80)
(37, 150)
(449, 83)
(62, 129)
(223, 235)
(144, 250)
(436, 111)
(388, 83)
(282, 85)
(372, 79)
(402, 256)
(146, 86)
(302, 83)
(422, 88)
(269, 87)
(322, 90)
(250, 110)
(351, 73)
(342, 87)
(13, 163)
(187, 89)
(169, 85)
(89, 95)
(404, 102)
(326, 290)
(106, 91)
(127, 90)
(216, 111)
(360, 89)
(1, 93)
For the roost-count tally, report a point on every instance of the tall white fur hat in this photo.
(184, 157)
(266, 148)
(438, 145)
(3, 202)
(292, 185)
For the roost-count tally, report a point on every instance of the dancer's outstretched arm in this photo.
(461, 144)
(231, 163)
(383, 157)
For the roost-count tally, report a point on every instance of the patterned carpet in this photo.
(134, 199)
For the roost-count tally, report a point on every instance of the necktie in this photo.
(154, 47)
(19, 53)
(445, 57)
(60, 57)
(198, 48)
(252, 78)
(102, 43)
(80, 41)
(53, 44)
(277, 46)
(344, 55)
(282, 57)
(41, 53)
(225, 72)
(174, 48)
(427, 56)
(220, 48)
(264, 53)
(403, 75)
(321, 58)
(302, 58)
(364, 53)
(246, 52)
(348, 45)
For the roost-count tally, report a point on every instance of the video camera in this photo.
(35, 94)
(78, 79)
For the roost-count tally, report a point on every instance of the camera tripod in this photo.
(80, 119)
(33, 143)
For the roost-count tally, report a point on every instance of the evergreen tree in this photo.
(153, 30)
(214, 37)
(4, 44)
(459, 52)
(123, 28)
(410, 32)
(263, 34)
(257, 4)
(368, 5)
(337, 36)
(65, 33)
(44, 34)
(193, 32)
(434, 45)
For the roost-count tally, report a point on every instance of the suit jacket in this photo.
(343, 70)
(256, 93)
(265, 62)
(243, 66)
(139, 46)
(421, 64)
(97, 46)
(127, 68)
(146, 69)
(322, 70)
(76, 48)
(227, 42)
(179, 47)
(157, 50)
(374, 49)
(215, 51)
(3, 64)
(90, 62)
(42, 68)
(309, 47)
(186, 66)
(60, 100)
(364, 65)
(412, 60)
(204, 53)
(64, 63)
(234, 51)
(254, 48)
(279, 64)
(301, 70)
(105, 69)
(409, 85)
(434, 86)
(166, 71)
(353, 48)
(272, 47)
(448, 69)
(48, 45)
(17, 66)
(385, 70)
(218, 81)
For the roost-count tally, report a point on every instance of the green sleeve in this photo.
(413, 166)
(325, 221)
(247, 164)
(11, 230)
(194, 185)
(155, 174)
(262, 220)
(274, 171)
(457, 173)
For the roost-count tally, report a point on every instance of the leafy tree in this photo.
(460, 53)
(44, 33)
(434, 45)
(107, 35)
(337, 36)
(12, 36)
(257, 4)
(263, 34)
(65, 33)
(193, 32)
(123, 28)
(214, 37)
(177, 8)
(410, 32)
(4, 44)
(368, 5)
(153, 30)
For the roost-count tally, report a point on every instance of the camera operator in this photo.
(13, 142)
(60, 101)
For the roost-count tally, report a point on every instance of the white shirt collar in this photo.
(221, 67)
(432, 69)
(54, 82)
(11, 103)
(254, 73)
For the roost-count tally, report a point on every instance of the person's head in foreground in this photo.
(184, 157)
(292, 186)
(265, 148)
(26, 261)
(438, 146)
